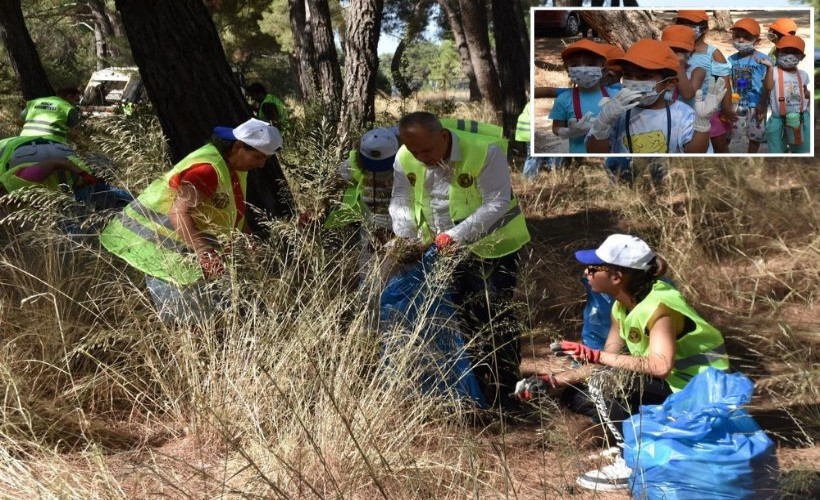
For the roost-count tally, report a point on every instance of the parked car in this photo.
(557, 22)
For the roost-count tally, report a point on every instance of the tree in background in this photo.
(452, 12)
(361, 67)
(22, 53)
(476, 33)
(184, 69)
(513, 61)
(327, 63)
(622, 27)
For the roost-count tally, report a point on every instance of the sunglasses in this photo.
(591, 270)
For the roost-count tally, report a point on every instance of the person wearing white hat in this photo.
(185, 212)
(668, 342)
(368, 174)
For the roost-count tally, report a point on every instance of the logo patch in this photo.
(634, 335)
(220, 200)
(465, 180)
(412, 178)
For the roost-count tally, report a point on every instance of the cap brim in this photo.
(674, 44)
(640, 62)
(381, 165)
(588, 257)
(225, 133)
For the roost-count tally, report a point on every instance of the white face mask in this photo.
(698, 31)
(787, 61)
(743, 46)
(646, 88)
(585, 76)
(772, 36)
(669, 96)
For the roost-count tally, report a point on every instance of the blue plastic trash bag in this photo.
(701, 444)
(597, 317)
(409, 297)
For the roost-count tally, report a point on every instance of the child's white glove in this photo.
(611, 110)
(577, 128)
(706, 106)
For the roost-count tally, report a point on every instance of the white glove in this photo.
(532, 387)
(577, 128)
(611, 110)
(705, 106)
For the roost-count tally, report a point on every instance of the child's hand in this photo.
(765, 61)
(611, 110)
(705, 106)
(576, 128)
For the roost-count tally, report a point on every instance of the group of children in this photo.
(681, 95)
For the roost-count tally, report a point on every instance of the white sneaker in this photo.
(608, 478)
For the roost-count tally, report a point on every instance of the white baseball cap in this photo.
(378, 149)
(619, 250)
(255, 133)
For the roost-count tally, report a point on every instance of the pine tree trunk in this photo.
(513, 61)
(361, 67)
(103, 32)
(304, 57)
(189, 81)
(476, 33)
(451, 9)
(723, 20)
(327, 63)
(622, 27)
(21, 51)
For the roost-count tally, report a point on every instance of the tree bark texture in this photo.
(723, 20)
(327, 63)
(361, 67)
(22, 53)
(184, 69)
(622, 27)
(451, 9)
(476, 33)
(103, 32)
(512, 60)
(304, 57)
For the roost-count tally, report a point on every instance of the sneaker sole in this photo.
(597, 486)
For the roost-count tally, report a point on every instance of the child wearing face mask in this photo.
(716, 67)
(639, 120)
(681, 39)
(747, 79)
(787, 129)
(573, 111)
(777, 30)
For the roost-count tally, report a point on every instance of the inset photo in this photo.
(661, 82)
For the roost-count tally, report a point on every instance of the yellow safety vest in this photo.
(11, 182)
(506, 236)
(143, 234)
(47, 117)
(694, 352)
(350, 210)
(280, 110)
(522, 128)
(477, 128)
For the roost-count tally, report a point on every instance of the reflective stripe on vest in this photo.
(47, 116)
(522, 128)
(502, 238)
(144, 236)
(350, 210)
(694, 352)
(477, 128)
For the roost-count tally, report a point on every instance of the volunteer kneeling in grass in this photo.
(171, 231)
(668, 342)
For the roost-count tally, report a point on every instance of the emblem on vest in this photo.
(634, 335)
(220, 200)
(412, 178)
(465, 180)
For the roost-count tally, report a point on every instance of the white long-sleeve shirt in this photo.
(493, 183)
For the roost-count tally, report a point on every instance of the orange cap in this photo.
(679, 37)
(614, 51)
(784, 26)
(696, 16)
(649, 54)
(748, 24)
(793, 42)
(599, 49)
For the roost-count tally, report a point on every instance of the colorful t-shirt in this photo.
(647, 130)
(564, 109)
(204, 178)
(792, 90)
(747, 77)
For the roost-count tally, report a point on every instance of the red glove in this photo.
(306, 218)
(534, 386)
(444, 241)
(580, 352)
(211, 264)
(88, 179)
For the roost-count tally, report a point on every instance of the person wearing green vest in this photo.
(270, 109)
(51, 117)
(668, 343)
(368, 173)
(35, 161)
(173, 231)
(453, 188)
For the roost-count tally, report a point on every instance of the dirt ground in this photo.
(550, 72)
